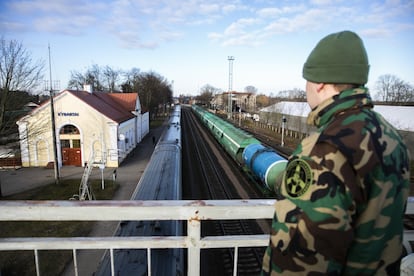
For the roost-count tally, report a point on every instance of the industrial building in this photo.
(240, 101)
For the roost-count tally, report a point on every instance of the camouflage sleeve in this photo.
(311, 228)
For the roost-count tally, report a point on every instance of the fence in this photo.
(12, 162)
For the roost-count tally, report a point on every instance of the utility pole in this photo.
(230, 59)
(52, 111)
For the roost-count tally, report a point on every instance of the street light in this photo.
(283, 130)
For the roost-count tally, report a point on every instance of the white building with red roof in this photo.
(89, 126)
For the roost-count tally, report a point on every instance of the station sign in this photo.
(68, 114)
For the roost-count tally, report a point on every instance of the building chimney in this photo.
(87, 88)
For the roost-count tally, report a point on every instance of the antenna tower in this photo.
(230, 59)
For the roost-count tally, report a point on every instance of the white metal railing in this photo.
(191, 211)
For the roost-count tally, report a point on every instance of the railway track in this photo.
(219, 186)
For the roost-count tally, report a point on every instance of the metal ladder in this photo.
(85, 191)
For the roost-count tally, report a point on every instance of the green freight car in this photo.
(232, 139)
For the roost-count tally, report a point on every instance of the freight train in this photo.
(161, 180)
(258, 160)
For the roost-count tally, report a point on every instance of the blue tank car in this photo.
(264, 163)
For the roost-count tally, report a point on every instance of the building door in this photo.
(71, 157)
(70, 146)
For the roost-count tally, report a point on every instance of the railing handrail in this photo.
(107, 210)
(192, 211)
(115, 210)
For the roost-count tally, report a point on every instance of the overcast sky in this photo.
(188, 41)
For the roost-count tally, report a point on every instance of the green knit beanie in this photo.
(339, 58)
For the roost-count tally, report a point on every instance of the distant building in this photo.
(295, 114)
(90, 126)
(241, 101)
(30, 106)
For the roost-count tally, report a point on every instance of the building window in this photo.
(69, 129)
(76, 143)
(65, 143)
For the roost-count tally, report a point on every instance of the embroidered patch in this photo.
(298, 178)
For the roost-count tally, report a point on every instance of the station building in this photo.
(90, 126)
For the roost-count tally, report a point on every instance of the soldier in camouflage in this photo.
(341, 203)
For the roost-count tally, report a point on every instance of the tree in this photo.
(205, 97)
(262, 101)
(250, 89)
(77, 80)
(101, 78)
(298, 94)
(392, 89)
(207, 93)
(18, 72)
(153, 89)
(112, 77)
(16, 109)
(293, 94)
(131, 77)
(94, 78)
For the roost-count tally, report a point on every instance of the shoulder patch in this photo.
(298, 177)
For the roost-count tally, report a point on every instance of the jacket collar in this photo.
(347, 99)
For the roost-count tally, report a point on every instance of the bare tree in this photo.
(250, 89)
(207, 93)
(93, 76)
(209, 89)
(77, 80)
(392, 89)
(131, 78)
(298, 94)
(18, 72)
(112, 78)
(208, 96)
(293, 94)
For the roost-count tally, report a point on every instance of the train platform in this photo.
(127, 176)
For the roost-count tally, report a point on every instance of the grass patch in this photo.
(50, 262)
(65, 190)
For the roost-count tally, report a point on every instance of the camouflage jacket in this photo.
(342, 199)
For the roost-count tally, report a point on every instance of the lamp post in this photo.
(283, 130)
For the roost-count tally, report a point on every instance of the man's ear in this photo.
(320, 86)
